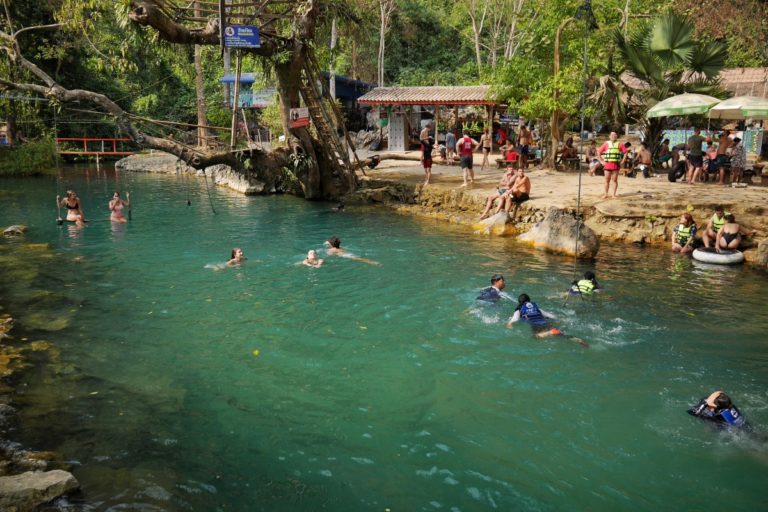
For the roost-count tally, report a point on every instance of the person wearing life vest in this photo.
(713, 226)
(466, 146)
(494, 292)
(610, 155)
(529, 312)
(585, 286)
(719, 409)
(684, 235)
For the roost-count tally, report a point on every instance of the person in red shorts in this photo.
(610, 155)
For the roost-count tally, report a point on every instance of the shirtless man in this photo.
(505, 183)
(425, 132)
(518, 192)
(524, 140)
(722, 156)
(645, 160)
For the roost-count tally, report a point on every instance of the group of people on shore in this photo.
(716, 158)
(516, 155)
(722, 232)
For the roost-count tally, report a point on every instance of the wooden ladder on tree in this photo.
(327, 118)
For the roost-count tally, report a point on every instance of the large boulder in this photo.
(759, 256)
(557, 233)
(25, 492)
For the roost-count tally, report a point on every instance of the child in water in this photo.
(585, 286)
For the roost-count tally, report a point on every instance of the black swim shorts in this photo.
(466, 162)
(696, 160)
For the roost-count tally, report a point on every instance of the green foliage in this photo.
(31, 158)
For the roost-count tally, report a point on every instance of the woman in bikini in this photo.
(116, 206)
(729, 236)
(74, 212)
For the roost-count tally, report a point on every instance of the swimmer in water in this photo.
(312, 260)
(494, 292)
(237, 257)
(529, 312)
(116, 206)
(586, 286)
(338, 208)
(718, 408)
(333, 245)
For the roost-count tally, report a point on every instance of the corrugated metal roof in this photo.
(739, 81)
(436, 95)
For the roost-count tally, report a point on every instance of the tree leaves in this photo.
(671, 40)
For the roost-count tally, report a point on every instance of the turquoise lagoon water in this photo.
(375, 387)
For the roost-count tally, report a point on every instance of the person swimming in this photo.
(116, 206)
(530, 313)
(718, 408)
(333, 245)
(237, 257)
(312, 260)
(585, 286)
(494, 292)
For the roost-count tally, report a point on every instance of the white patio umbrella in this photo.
(741, 107)
(682, 105)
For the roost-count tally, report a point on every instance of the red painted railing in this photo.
(92, 146)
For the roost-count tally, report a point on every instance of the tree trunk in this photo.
(332, 65)
(202, 118)
(557, 115)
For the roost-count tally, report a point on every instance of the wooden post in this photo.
(489, 109)
(236, 103)
(437, 119)
(245, 124)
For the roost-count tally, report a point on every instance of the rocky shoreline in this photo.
(646, 211)
(28, 478)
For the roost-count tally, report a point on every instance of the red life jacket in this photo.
(465, 146)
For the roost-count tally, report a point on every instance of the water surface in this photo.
(373, 387)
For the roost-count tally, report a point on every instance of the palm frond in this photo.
(709, 58)
(671, 40)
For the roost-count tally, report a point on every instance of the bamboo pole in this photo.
(236, 102)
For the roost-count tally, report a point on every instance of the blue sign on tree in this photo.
(242, 36)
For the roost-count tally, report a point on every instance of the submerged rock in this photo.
(557, 233)
(24, 492)
(15, 230)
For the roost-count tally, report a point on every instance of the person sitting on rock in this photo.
(684, 234)
(518, 193)
(729, 236)
(713, 226)
(505, 183)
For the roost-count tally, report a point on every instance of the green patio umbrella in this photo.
(682, 105)
(741, 107)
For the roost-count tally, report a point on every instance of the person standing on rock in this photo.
(695, 156)
(486, 141)
(524, 140)
(426, 158)
(466, 146)
(450, 145)
(610, 155)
